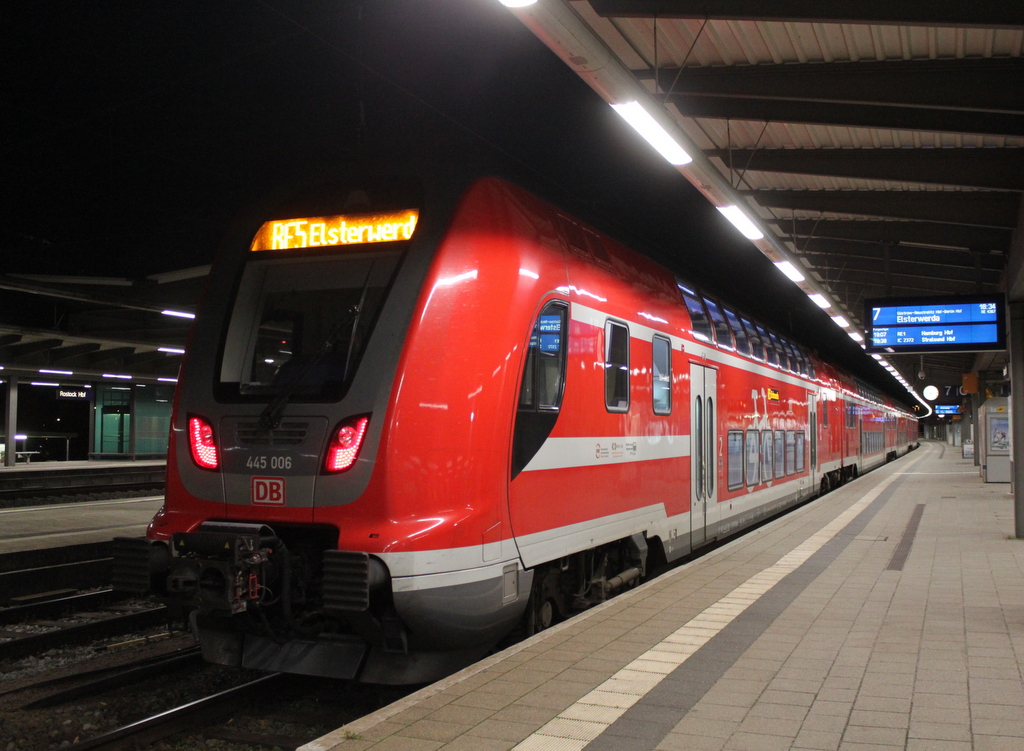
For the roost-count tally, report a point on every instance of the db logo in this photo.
(267, 491)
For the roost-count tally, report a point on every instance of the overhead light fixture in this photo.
(742, 222)
(877, 357)
(820, 300)
(44, 383)
(642, 122)
(840, 321)
(178, 314)
(517, 3)
(856, 337)
(55, 372)
(789, 270)
(171, 350)
(168, 380)
(117, 375)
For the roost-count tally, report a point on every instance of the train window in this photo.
(753, 458)
(540, 395)
(742, 343)
(735, 459)
(544, 371)
(756, 347)
(769, 350)
(767, 456)
(790, 452)
(301, 325)
(700, 324)
(697, 444)
(779, 350)
(801, 360)
(616, 367)
(780, 454)
(824, 413)
(721, 327)
(661, 376)
(794, 361)
(851, 415)
(800, 441)
(712, 467)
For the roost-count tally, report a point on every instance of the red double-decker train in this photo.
(411, 420)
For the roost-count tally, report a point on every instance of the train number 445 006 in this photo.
(268, 462)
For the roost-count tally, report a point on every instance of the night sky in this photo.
(133, 132)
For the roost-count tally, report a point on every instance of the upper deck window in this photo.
(756, 347)
(769, 350)
(721, 327)
(742, 343)
(699, 321)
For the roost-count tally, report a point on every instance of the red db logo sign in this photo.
(267, 491)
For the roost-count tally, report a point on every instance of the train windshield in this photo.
(299, 325)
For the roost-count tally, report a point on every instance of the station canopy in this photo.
(878, 148)
(101, 328)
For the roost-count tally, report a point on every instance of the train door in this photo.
(703, 453)
(812, 423)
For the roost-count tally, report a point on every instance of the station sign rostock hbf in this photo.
(73, 392)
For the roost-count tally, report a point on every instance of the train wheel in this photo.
(545, 615)
(825, 485)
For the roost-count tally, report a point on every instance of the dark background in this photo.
(133, 132)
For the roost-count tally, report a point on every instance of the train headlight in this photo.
(345, 444)
(203, 443)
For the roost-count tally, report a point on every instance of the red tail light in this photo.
(201, 440)
(345, 444)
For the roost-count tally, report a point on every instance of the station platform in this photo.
(57, 525)
(888, 614)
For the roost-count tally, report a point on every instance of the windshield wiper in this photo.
(270, 418)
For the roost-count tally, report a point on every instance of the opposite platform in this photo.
(888, 614)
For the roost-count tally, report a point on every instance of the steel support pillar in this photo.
(1016, 347)
(11, 421)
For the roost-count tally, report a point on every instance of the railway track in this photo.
(62, 596)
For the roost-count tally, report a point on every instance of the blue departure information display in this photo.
(548, 334)
(946, 324)
(947, 409)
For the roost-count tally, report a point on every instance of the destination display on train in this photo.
(332, 231)
(946, 324)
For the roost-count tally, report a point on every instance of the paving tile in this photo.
(815, 739)
(940, 731)
(877, 719)
(883, 736)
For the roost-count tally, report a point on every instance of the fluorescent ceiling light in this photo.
(178, 313)
(56, 372)
(20, 436)
(789, 270)
(840, 321)
(42, 383)
(820, 301)
(856, 337)
(642, 122)
(741, 221)
(877, 357)
(116, 375)
(517, 3)
(171, 350)
(168, 380)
